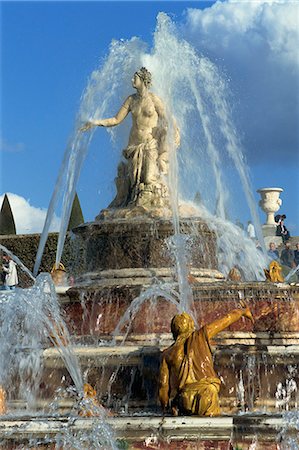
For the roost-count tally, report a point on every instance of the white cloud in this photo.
(256, 43)
(11, 147)
(28, 218)
(237, 25)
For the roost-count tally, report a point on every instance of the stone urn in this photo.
(270, 203)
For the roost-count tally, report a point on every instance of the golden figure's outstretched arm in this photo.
(111, 122)
(234, 315)
(164, 384)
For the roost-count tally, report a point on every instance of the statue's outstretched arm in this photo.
(164, 384)
(111, 122)
(234, 315)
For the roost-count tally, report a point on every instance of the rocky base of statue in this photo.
(127, 238)
(148, 208)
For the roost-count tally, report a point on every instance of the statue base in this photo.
(141, 211)
(135, 238)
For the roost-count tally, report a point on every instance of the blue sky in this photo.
(50, 48)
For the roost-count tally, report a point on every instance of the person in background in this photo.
(251, 230)
(11, 275)
(281, 229)
(3, 274)
(273, 252)
(287, 256)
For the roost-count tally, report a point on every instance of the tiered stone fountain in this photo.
(128, 287)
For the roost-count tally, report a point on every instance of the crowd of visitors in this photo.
(281, 229)
(287, 257)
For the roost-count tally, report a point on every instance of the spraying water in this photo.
(17, 261)
(209, 140)
(98, 97)
(291, 273)
(164, 290)
(28, 318)
(208, 133)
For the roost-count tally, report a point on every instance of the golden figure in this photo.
(274, 273)
(3, 408)
(188, 382)
(90, 394)
(59, 275)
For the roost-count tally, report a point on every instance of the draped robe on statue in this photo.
(191, 381)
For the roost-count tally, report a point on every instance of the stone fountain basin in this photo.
(96, 308)
(261, 360)
(225, 344)
(137, 276)
(159, 432)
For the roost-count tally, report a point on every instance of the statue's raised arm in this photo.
(141, 179)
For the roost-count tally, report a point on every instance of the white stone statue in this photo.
(141, 180)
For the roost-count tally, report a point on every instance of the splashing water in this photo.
(234, 248)
(291, 273)
(28, 317)
(289, 440)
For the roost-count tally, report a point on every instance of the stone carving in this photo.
(270, 203)
(188, 383)
(274, 273)
(141, 181)
(234, 274)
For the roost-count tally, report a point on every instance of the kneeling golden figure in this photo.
(274, 273)
(188, 383)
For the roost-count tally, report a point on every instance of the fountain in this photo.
(148, 256)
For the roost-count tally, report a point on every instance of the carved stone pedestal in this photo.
(141, 242)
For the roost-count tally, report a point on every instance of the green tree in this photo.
(76, 217)
(7, 222)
